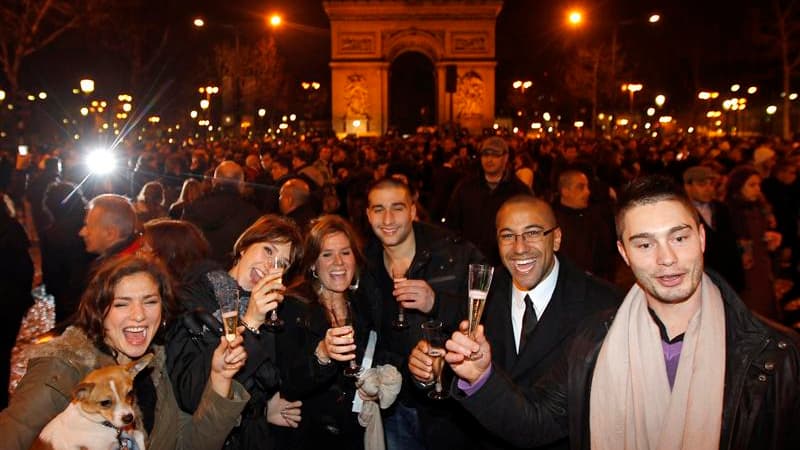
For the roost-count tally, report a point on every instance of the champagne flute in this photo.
(229, 312)
(400, 323)
(340, 314)
(435, 337)
(480, 280)
(275, 265)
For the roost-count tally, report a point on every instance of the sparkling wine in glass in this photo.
(229, 312)
(480, 280)
(399, 323)
(340, 314)
(275, 265)
(433, 334)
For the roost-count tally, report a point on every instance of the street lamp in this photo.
(632, 89)
(199, 22)
(275, 20)
(660, 100)
(575, 17)
(2, 95)
(204, 103)
(87, 85)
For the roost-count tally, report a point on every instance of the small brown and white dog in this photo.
(102, 407)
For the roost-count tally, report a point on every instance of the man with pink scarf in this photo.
(682, 364)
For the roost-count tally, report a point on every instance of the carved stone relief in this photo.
(469, 95)
(357, 43)
(469, 42)
(356, 95)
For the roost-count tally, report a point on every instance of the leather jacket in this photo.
(761, 403)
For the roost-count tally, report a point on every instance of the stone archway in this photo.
(412, 91)
(368, 36)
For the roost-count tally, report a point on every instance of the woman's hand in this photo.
(228, 358)
(339, 344)
(283, 413)
(265, 296)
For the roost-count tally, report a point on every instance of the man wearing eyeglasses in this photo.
(534, 304)
(477, 198)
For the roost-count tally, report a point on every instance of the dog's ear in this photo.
(82, 391)
(134, 367)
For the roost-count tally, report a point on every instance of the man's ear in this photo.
(701, 230)
(623, 252)
(556, 239)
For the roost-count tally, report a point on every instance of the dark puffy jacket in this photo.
(761, 403)
(190, 346)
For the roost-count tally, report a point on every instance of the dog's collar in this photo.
(124, 440)
(109, 425)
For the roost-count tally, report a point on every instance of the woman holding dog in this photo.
(258, 284)
(121, 318)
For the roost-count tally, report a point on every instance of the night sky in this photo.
(706, 44)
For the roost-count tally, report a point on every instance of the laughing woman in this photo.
(313, 352)
(120, 319)
(259, 288)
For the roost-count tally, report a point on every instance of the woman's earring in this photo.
(314, 272)
(354, 285)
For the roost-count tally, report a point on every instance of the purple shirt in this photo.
(671, 348)
(470, 389)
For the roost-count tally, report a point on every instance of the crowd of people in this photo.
(324, 242)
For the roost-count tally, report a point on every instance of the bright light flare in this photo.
(772, 109)
(654, 18)
(87, 86)
(101, 161)
(199, 22)
(575, 17)
(275, 20)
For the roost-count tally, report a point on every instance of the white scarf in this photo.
(631, 405)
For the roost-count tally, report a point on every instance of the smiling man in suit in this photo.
(534, 305)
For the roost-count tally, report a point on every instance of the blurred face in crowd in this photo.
(751, 189)
(97, 235)
(391, 212)
(787, 174)
(702, 191)
(663, 244)
(576, 192)
(278, 170)
(336, 263)
(494, 162)
(529, 260)
(134, 315)
(254, 261)
(325, 153)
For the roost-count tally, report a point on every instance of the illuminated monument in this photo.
(458, 37)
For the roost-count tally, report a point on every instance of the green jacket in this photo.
(56, 367)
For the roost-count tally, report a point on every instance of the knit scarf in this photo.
(631, 405)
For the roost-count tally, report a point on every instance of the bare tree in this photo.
(27, 26)
(788, 26)
(255, 72)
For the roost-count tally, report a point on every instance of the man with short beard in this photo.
(535, 303)
(682, 364)
(433, 265)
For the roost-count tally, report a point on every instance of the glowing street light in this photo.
(575, 17)
(632, 89)
(262, 112)
(275, 20)
(772, 109)
(84, 111)
(654, 18)
(204, 103)
(735, 87)
(42, 95)
(660, 100)
(87, 85)
(199, 22)
(101, 161)
(752, 90)
(2, 95)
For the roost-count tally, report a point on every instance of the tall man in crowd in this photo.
(434, 264)
(477, 198)
(110, 228)
(681, 364)
(223, 214)
(722, 251)
(588, 231)
(534, 305)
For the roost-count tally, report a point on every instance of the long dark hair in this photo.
(99, 295)
(177, 243)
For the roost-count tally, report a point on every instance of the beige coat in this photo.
(56, 367)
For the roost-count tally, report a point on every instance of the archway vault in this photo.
(367, 37)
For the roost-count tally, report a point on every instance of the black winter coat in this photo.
(190, 346)
(761, 403)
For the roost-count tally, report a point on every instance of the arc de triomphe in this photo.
(367, 35)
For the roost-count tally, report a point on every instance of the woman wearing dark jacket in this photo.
(752, 219)
(259, 290)
(312, 351)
